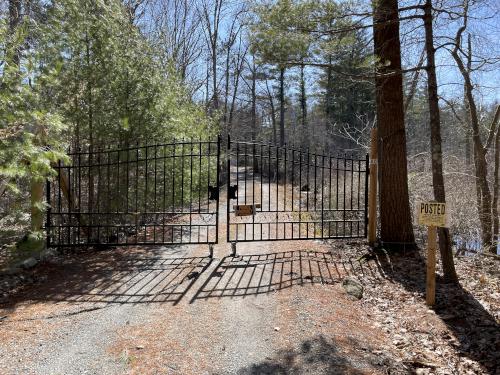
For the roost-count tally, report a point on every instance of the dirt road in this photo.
(277, 308)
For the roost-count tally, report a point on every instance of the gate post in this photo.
(228, 188)
(372, 195)
(217, 209)
(36, 190)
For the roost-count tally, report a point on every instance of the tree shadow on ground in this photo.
(476, 330)
(322, 355)
(117, 276)
(248, 275)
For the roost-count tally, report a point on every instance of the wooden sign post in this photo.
(434, 215)
(430, 284)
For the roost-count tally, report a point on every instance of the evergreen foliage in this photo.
(79, 74)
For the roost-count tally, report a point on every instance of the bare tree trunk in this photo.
(212, 21)
(282, 106)
(329, 90)
(233, 102)
(481, 171)
(254, 114)
(91, 128)
(414, 82)
(233, 34)
(273, 113)
(467, 137)
(303, 104)
(254, 102)
(215, 96)
(396, 225)
(450, 274)
(207, 87)
(466, 132)
(226, 89)
(240, 61)
(496, 183)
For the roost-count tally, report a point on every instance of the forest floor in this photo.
(276, 308)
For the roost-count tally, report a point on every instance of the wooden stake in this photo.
(430, 295)
(372, 195)
(36, 201)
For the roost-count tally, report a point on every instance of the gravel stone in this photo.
(353, 288)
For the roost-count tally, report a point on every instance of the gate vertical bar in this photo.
(253, 189)
(322, 192)
(228, 188)
(59, 207)
(49, 208)
(218, 189)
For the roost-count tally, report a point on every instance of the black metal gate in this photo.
(282, 193)
(138, 195)
(169, 194)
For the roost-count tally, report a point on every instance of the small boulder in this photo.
(29, 263)
(48, 254)
(13, 271)
(353, 288)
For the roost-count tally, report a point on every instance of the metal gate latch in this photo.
(233, 191)
(213, 193)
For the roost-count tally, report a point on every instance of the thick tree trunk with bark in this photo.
(436, 144)
(395, 216)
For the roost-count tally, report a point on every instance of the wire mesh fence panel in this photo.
(137, 195)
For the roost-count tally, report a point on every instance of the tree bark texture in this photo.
(395, 216)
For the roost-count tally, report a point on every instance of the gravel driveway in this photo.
(278, 308)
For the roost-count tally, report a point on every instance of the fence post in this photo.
(372, 195)
(49, 209)
(36, 202)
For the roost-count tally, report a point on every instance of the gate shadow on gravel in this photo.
(240, 276)
(116, 277)
(476, 330)
(322, 355)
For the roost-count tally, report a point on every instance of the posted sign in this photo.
(245, 209)
(432, 214)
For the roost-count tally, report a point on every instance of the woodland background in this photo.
(109, 73)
